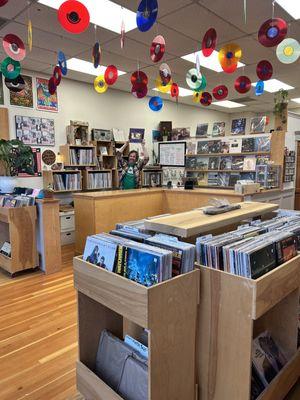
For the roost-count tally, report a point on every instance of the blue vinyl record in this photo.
(62, 62)
(146, 14)
(156, 103)
(259, 88)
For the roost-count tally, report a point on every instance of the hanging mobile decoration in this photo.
(272, 32)
(10, 68)
(174, 90)
(288, 51)
(57, 75)
(73, 16)
(264, 70)
(100, 85)
(193, 79)
(161, 86)
(15, 85)
(165, 73)
(245, 11)
(51, 85)
(156, 103)
(229, 56)
(29, 28)
(62, 62)
(139, 90)
(259, 88)
(242, 84)
(158, 48)
(203, 84)
(3, 2)
(220, 92)
(14, 47)
(206, 99)
(146, 14)
(139, 77)
(111, 75)
(197, 96)
(209, 42)
(96, 54)
(198, 65)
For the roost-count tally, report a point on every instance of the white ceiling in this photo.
(182, 23)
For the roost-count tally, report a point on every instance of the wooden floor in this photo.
(38, 336)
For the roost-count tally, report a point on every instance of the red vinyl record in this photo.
(3, 2)
(264, 70)
(111, 75)
(206, 99)
(174, 90)
(139, 90)
(158, 48)
(209, 42)
(57, 75)
(220, 92)
(73, 16)
(272, 32)
(242, 84)
(14, 47)
(139, 77)
(51, 85)
(165, 73)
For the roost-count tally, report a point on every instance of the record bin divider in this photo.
(169, 310)
(233, 310)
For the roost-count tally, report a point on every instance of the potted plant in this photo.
(280, 109)
(15, 157)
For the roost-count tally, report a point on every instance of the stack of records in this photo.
(13, 201)
(138, 226)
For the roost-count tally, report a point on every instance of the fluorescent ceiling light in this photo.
(104, 13)
(211, 62)
(290, 6)
(297, 100)
(183, 92)
(86, 67)
(273, 85)
(228, 104)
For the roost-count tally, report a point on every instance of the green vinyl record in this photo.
(10, 68)
(203, 84)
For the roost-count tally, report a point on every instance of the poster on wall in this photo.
(1, 90)
(37, 165)
(172, 154)
(44, 100)
(35, 131)
(136, 135)
(25, 97)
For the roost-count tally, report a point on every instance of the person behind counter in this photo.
(130, 171)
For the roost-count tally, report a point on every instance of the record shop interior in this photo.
(149, 200)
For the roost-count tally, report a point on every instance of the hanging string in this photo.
(122, 39)
(273, 8)
(245, 11)
(95, 32)
(29, 29)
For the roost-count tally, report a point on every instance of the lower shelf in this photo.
(5, 263)
(92, 387)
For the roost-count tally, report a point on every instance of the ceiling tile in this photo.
(13, 8)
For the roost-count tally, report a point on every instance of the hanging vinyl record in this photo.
(272, 32)
(62, 62)
(73, 16)
(203, 84)
(15, 85)
(51, 85)
(197, 96)
(288, 51)
(139, 90)
(14, 47)
(165, 73)
(242, 84)
(96, 54)
(146, 14)
(264, 70)
(193, 79)
(156, 103)
(174, 90)
(229, 56)
(220, 92)
(209, 42)
(29, 35)
(158, 48)
(206, 99)
(139, 77)
(3, 2)
(259, 88)
(161, 86)
(100, 85)
(57, 75)
(111, 75)
(10, 68)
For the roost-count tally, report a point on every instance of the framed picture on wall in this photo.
(35, 131)
(172, 154)
(37, 164)
(180, 133)
(25, 97)
(44, 100)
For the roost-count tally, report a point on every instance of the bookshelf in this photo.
(78, 155)
(109, 301)
(18, 227)
(57, 179)
(97, 179)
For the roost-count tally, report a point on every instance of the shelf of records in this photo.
(78, 155)
(97, 179)
(22, 200)
(152, 176)
(289, 166)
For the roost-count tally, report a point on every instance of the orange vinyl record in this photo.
(174, 90)
(73, 16)
(229, 56)
(111, 75)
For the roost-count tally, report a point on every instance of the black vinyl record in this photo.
(15, 85)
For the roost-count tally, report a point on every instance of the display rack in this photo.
(65, 151)
(169, 310)
(106, 183)
(289, 166)
(18, 227)
(49, 180)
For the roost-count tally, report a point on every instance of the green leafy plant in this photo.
(281, 101)
(15, 156)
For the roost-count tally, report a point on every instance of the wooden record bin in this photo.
(169, 310)
(233, 311)
(18, 227)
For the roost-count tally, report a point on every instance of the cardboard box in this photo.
(249, 188)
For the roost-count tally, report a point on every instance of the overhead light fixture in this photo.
(228, 104)
(292, 7)
(211, 62)
(183, 92)
(104, 13)
(297, 100)
(274, 85)
(86, 67)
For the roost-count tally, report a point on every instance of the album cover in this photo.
(225, 147)
(258, 124)
(45, 100)
(248, 145)
(238, 126)
(142, 267)
(25, 97)
(165, 128)
(191, 148)
(262, 144)
(214, 146)
(201, 130)
(233, 179)
(101, 253)
(218, 129)
(202, 147)
(202, 163)
(249, 163)
(223, 179)
(156, 136)
(262, 260)
(136, 135)
(213, 179)
(225, 162)
(237, 163)
(248, 176)
(262, 160)
(1, 90)
(214, 163)
(235, 145)
(37, 164)
(180, 133)
(257, 387)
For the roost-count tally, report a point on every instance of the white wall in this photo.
(114, 109)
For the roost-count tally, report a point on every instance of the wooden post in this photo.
(4, 125)
(49, 235)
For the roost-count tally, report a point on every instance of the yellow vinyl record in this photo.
(197, 97)
(229, 56)
(29, 33)
(163, 88)
(100, 85)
